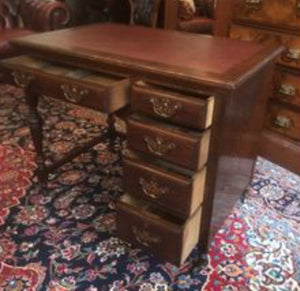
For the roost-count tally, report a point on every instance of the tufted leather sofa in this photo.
(203, 20)
(24, 17)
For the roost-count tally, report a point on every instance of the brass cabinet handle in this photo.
(73, 94)
(282, 122)
(152, 189)
(298, 8)
(22, 79)
(287, 89)
(291, 55)
(164, 107)
(144, 237)
(158, 145)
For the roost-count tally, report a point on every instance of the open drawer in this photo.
(180, 108)
(173, 144)
(142, 225)
(176, 190)
(101, 91)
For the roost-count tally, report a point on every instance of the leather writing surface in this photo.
(169, 51)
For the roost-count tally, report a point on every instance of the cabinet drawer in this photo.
(178, 108)
(142, 225)
(176, 191)
(277, 13)
(287, 87)
(290, 56)
(284, 120)
(173, 144)
(103, 92)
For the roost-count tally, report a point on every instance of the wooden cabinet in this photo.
(290, 57)
(276, 22)
(272, 13)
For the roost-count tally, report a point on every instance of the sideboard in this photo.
(277, 22)
(197, 105)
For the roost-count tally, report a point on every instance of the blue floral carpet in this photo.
(64, 239)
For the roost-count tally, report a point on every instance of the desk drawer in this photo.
(178, 108)
(287, 87)
(176, 191)
(100, 91)
(290, 57)
(277, 13)
(173, 144)
(142, 225)
(284, 120)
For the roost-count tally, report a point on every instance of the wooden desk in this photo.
(199, 104)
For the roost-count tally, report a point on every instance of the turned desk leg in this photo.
(112, 133)
(36, 128)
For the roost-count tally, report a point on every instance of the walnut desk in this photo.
(197, 103)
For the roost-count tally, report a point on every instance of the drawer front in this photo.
(287, 88)
(146, 232)
(177, 194)
(105, 93)
(155, 233)
(174, 107)
(291, 55)
(277, 13)
(284, 121)
(160, 141)
(103, 99)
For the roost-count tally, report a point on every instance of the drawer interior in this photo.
(150, 210)
(181, 172)
(168, 127)
(40, 66)
(176, 91)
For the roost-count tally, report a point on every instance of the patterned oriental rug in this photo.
(65, 239)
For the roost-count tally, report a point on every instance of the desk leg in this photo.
(36, 129)
(112, 133)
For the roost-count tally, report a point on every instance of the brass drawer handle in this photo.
(152, 189)
(283, 122)
(291, 55)
(144, 237)
(159, 146)
(22, 80)
(256, 4)
(164, 107)
(298, 8)
(287, 89)
(73, 94)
